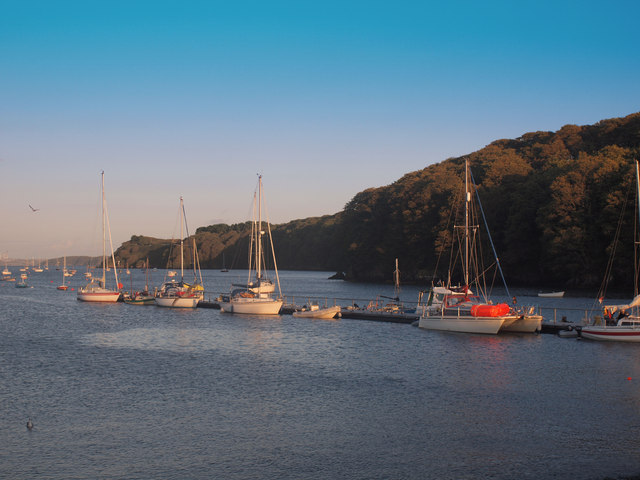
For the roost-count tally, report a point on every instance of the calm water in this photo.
(119, 391)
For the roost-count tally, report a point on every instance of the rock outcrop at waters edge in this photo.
(552, 200)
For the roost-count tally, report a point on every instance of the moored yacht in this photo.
(251, 299)
(96, 290)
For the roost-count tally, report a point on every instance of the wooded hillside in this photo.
(552, 202)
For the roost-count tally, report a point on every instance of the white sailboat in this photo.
(39, 268)
(626, 326)
(181, 294)
(255, 298)
(466, 312)
(64, 285)
(96, 290)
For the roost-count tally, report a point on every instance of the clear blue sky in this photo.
(324, 98)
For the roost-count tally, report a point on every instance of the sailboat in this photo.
(467, 312)
(64, 286)
(384, 308)
(96, 290)
(181, 294)
(144, 297)
(39, 268)
(23, 281)
(6, 272)
(255, 298)
(626, 326)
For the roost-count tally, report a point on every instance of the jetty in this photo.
(556, 320)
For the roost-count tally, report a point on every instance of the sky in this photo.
(322, 98)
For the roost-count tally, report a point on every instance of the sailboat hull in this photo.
(611, 333)
(252, 306)
(524, 324)
(103, 297)
(485, 325)
(178, 302)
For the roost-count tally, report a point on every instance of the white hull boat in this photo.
(95, 290)
(316, 312)
(626, 326)
(462, 324)
(265, 285)
(551, 294)
(98, 294)
(625, 330)
(457, 310)
(174, 294)
(524, 324)
(252, 305)
(177, 302)
(255, 297)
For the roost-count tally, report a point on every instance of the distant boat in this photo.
(551, 294)
(64, 286)
(38, 269)
(96, 290)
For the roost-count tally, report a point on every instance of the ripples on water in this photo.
(120, 391)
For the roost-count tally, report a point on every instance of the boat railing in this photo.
(557, 315)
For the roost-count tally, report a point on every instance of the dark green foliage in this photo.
(552, 202)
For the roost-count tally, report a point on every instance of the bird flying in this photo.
(33, 209)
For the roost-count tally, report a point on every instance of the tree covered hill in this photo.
(552, 201)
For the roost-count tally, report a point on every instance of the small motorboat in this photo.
(551, 294)
(314, 311)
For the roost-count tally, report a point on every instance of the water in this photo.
(121, 391)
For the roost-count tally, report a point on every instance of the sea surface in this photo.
(132, 392)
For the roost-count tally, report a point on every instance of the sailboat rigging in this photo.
(456, 308)
(626, 326)
(64, 285)
(255, 298)
(182, 294)
(96, 290)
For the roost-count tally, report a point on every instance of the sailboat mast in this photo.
(638, 195)
(259, 235)
(253, 247)
(181, 239)
(104, 237)
(396, 280)
(638, 182)
(466, 222)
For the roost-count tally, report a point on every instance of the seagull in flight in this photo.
(33, 209)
